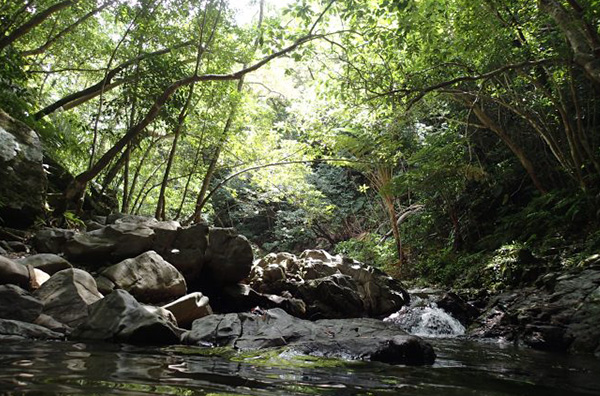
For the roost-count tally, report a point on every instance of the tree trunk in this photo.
(582, 37)
(501, 133)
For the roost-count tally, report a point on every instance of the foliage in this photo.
(368, 249)
(465, 130)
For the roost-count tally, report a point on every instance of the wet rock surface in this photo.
(361, 339)
(560, 313)
(15, 330)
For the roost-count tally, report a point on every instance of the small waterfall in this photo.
(425, 319)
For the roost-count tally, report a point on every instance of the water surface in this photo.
(462, 368)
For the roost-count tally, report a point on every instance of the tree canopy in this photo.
(414, 134)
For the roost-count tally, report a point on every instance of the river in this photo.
(462, 368)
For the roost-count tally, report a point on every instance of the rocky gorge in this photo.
(138, 280)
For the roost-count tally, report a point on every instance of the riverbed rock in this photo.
(361, 339)
(148, 277)
(51, 240)
(185, 249)
(50, 323)
(67, 295)
(14, 273)
(560, 313)
(241, 297)
(47, 262)
(330, 286)
(189, 308)
(334, 296)
(456, 306)
(23, 182)
(18, 304)
(16, 330)
(120, 318)
(229, 256)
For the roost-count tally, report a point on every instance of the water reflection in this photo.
(462, 368)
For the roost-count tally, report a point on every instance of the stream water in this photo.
(462, 368)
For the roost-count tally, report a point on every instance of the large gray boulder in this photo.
(18, 304)
(67, 295)
(334, 296)
(148, 277)
(47, 262)
(361, 339)
(14, 273)
(229, 256)
(185, 249)
(128, 236)
(23, 182)
(119, 317)
(16, 330)
(51, 240)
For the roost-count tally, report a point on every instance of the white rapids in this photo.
(425, 319)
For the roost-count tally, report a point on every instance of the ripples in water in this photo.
(462, 368)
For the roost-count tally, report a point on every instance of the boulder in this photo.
(241, 297)
(51, 240)
(47, 262)
(559, 314)
(14, 273)
(109, 244)
(401, 349)
(67, 295)
(361, 339)
(50, 323)
(16, 330)
(18, 304)
(335, 296)
(148, 277)
(119, 317)
(185, 249)
(23, 181)
(464, 312)
(189, 308)
(229, 256)
(330, 286)
(381, 294)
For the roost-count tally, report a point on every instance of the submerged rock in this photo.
(119, 317)
(361, 339)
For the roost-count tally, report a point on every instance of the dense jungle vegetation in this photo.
(433, 138)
